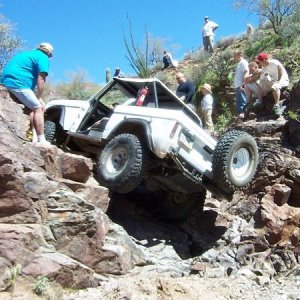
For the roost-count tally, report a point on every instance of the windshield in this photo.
(126, 93)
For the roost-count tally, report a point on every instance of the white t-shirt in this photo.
(207, 102)
(240, 70)
(208, 29)
(272, 70)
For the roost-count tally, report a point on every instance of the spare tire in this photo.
(235, 161)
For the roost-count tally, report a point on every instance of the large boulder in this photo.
(52, 213)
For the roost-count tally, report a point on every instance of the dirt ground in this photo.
(155, 286)
(164, 287)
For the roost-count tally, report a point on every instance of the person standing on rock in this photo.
(241, 72)
(207, 104)
(25, 76)
(208, 33)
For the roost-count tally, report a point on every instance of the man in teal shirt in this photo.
(22, 74)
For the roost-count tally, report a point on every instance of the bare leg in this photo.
(38, 121)
(211, 44)
(260, 93)
(276, 96)
(248, 95)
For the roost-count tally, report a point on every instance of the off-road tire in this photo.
(50, 130)
(234, 161)
(175, 206)
(122, 163)
(60, 136)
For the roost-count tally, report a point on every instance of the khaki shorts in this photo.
(27, 97)
(267, 85)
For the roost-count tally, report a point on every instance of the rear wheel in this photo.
(179, 206)
(234, 161)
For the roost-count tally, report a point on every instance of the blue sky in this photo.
(89, 34)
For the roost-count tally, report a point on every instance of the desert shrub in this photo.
(263, 41)
(290, 28)
(78, 87)
(290, 58)
(224, 118)
(47, 289)
(8, 42)
(11, 276)
(294, 115)
(198, 56)
(226, 42)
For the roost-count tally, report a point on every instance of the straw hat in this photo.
(206, 86)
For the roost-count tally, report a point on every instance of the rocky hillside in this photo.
(57, 222)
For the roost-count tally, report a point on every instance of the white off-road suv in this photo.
(160, 145)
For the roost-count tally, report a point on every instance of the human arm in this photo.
(280, 72)
(190, 91)
(245, 77)
(252, 77)
(215, 27)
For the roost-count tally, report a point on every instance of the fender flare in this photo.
(147, 132)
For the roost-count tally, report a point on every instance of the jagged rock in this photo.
(11, 113)
(67, 272)
(294, 98)
(269, 128)
(281, 193)
(293, 129)
(53, 221)
(46, 227)
(66, 165)
(90, 192)
(281, 222)
(75, 167)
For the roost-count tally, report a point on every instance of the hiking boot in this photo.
(277, 111)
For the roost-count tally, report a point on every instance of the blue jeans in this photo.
(240, 100)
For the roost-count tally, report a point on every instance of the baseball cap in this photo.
(206, 17)
(46, 47)
(262, 56)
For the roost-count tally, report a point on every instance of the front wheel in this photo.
(235, 160)
(122, 163)
(49, 130)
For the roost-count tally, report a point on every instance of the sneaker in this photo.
(43, 143)
(277, 111)
(258, 103)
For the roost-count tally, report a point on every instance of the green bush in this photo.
(290, 28)
(48, 290)
(224, 119)
(265, 41)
